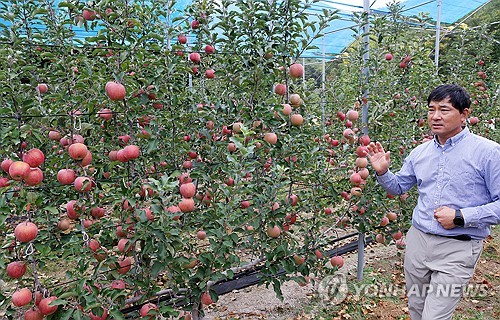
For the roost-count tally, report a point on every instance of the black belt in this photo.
(461, 237)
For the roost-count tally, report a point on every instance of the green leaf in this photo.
(77, 314)
(58, 302)
(68, 295)
(156, 268)
(68, 313)
(116, 314)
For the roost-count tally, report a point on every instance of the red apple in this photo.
(210, 74)
(392, 216)
(115, 91)
(66, 176)
(397, 235)
(280, 89)
(94, 245)
(341, 115)
(131, 152)
(83, 184)
(206, 299)
(38, 297)
(275, 206)
(244, 204)
(63, 224)
(18, 170)
(26, 231)
(209, 49)
(105, 114)
(188, 164)
(298, 259)
(287, 109)
(362, 151)
(195, 57)
(187, 190)
(201, 234)
(149, 311)
(296, 70)
(21, 297)
(237, 127)
(16, 269)
(73, 209)
(292, 199)
(42, 88)
(364, 140)
(388, 56)
(186, 205)
(124, 245)
(473, 120)
(195, 24)
(384, 221)
(356, 191)
(45, 307)
(364, 173)
(184, 178)
(296, 120)
(355, 178)
(34, 177)
(349, 134)
(270, 137)
(352, 115)
(89, 15)
(361, 162)
(337, 261)
(86, 160)
(182, 39)
(55, 135)
(273, 232)
(6, 164)
(380, 238)
(231, 147)
(295, 99)
(4, 182)
(124, 265)
(77, 151)
(120, 156)
(118, 284)
(34, 157)
(33, 314)
(104, 315)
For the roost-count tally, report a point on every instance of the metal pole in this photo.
(304, 73)
(438, 31)
(364, 118)
(323, 79)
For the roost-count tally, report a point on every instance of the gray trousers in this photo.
(437, 269)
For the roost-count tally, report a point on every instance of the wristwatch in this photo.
(459, 218)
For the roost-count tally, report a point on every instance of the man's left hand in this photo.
(445, 215)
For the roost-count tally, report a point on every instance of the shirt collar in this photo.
(455, 139)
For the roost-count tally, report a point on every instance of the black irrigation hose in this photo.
(241, 282)
(247, 278)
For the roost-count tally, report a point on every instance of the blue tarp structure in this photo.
(339, 35)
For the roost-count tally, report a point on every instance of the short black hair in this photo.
(459, 97)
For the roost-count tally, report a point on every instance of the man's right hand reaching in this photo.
(379, 159)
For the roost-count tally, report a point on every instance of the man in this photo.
(458, 179)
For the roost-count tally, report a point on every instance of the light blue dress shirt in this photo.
(464, 174)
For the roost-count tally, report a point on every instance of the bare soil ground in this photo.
(383, 264)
